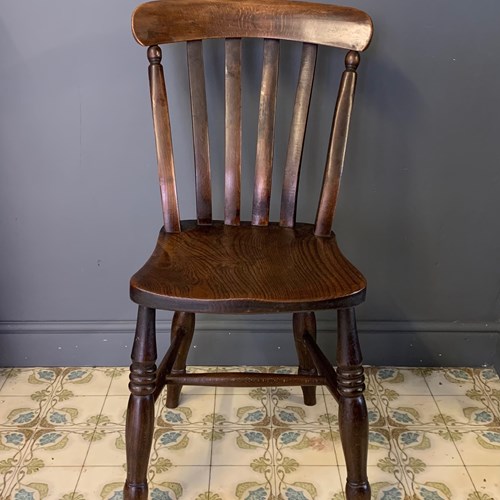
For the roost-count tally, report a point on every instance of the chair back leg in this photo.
(305, 323)
(183, 325)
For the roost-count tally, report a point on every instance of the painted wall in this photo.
(79, 202)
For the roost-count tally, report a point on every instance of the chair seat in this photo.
(246, 269)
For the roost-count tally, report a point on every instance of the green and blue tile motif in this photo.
(434, 435)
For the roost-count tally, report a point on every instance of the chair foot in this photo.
(309, 395)
(173, 396)
(360, 491)
(135, 492)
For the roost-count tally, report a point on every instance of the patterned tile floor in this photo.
(435, 434)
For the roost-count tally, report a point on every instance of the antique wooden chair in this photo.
(208, 266)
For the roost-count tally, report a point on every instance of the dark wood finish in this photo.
(240, 269)
(199, 117)
(232, 131)
(265, 133)
(248, 267)
(183, 327)
(169, 21)
(170, 357)
(236, 379)
(163, 137)
(305, 324)
(297, 135)
(353, 416)
(323, 366)
(140, 412)
(337, 147)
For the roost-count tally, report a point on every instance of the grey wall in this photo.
(79, 202)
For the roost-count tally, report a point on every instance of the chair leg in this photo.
(305, 322)
(181, 322)
(353, 416)
(140, 411)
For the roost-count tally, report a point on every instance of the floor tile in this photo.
(107, 448)
(461, 410)
(289, 409)
(181, 483)
(183, 446)
(13, 445)
(409, 411)
(113, 411)
(14, 441)
(486, 480)
(58, 447)
(26, 381)
(447, 483)
(104, 483)
(450, 381)
(488, 375)
(258, 443)
(478, 447)
(304, 446)
(119, 382)
(307, 482)
(45, 482)
(231, 482)
(242, 446)
(80, 412)
(195, 409)
(239, 409)
(429, 445)
(19, 412)
(404, 381)
(86, 381)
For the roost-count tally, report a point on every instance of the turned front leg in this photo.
(353, 416)
(140, 411)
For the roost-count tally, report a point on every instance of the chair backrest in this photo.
(192, 21)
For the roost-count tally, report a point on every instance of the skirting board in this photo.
(250, 341)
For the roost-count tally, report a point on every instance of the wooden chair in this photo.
(208, 266)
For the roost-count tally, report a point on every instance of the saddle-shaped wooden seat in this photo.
(232, 269)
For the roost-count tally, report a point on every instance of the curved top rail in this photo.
(168, 21)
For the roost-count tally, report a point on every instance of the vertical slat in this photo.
(337, 147)
(163, 138)
(199, 116)
(233, 131)
(265, 134)
(297, 135)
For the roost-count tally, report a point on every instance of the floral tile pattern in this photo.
(434, 434)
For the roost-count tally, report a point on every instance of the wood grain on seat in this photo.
(243, 269)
